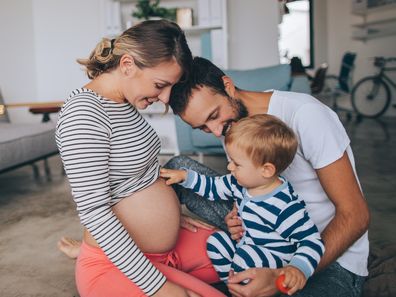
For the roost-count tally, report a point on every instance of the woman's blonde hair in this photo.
(149, 43)
(265, 139)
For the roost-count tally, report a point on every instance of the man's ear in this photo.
(127, 65)
(268, 170)
(229, 86)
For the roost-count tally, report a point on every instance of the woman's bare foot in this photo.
(69, 247)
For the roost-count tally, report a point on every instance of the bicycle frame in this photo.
(388, 79)
(381, 76)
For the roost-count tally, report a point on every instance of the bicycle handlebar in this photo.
(382, 61)
(389, 59)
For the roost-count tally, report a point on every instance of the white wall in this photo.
(60, 38)
(253, 33)
(40, 41)
(339, 21)
(17, 58)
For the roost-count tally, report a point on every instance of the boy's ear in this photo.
(229, 86)
(268, 170)
(127, 64)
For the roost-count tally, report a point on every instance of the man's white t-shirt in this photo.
(322, 140)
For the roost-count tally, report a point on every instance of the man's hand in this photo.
(191, 224)
(261, 282)
(234, 224)
(173, 176)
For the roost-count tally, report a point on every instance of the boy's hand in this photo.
(294, 279)
(173, 176)
(234, 224)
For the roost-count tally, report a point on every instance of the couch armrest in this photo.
(300, 84)
(196, 141)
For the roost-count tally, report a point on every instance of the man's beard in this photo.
(240, 112)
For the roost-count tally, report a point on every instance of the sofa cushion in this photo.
(20, 142)
(277, 77)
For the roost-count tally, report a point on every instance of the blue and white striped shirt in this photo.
(277, 220)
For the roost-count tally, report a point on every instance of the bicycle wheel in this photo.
(371, 97)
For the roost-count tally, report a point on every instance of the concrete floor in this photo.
(35, 213)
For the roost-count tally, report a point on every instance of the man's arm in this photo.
(352, 215)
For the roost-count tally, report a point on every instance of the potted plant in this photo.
(148, 9)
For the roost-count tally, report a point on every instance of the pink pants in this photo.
(187, 265)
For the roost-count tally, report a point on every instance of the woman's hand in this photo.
(173, 176)
(261, 282)
(191, 224)
(234, 224)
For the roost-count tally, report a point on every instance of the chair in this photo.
(337, 86)
(318, 81)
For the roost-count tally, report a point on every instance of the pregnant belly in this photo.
(152, 217)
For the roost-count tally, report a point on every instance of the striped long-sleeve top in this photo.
(109, 152)
(277, 220)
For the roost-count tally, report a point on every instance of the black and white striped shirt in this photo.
(109, 152)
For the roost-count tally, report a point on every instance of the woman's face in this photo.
(149, 85)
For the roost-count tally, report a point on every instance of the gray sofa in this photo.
(24, 143)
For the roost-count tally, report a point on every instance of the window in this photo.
(295, 31)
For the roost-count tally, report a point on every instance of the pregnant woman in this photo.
(132, 244)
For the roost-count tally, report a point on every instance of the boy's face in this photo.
(212, 112)
(242, 168)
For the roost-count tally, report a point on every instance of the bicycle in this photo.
(371, 96)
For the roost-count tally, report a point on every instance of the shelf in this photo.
(135, 1)
(375, 23)
(375, 28)
(369, 10)
(371, 34)
(200, 29)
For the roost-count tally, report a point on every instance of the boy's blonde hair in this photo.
(265, 139)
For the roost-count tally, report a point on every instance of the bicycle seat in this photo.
(379, 61)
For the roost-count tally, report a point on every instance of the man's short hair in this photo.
(265, 139)
(203, 73)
